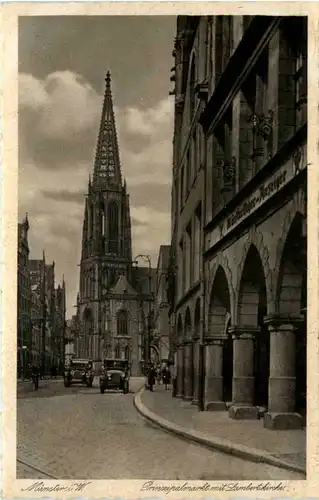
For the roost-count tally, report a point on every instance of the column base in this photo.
(195, 402)
(215, 406)
(243, 412)
(187, 398)
(179, 396)
(283, 421)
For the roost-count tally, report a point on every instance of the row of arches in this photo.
(226, 325)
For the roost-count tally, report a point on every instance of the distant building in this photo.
(114, 301)
(48, 315)
(238, 269)
(24, 326)
(161, 306)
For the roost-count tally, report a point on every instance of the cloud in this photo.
(65, 195)
(59, 119)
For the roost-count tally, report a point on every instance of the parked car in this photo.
(78, 371)
(115, 375)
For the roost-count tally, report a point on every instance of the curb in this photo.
(223, 445)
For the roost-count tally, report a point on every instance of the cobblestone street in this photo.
(78, 433)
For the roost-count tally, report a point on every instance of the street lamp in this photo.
(147, 348)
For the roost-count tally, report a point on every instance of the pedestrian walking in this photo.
(166, 376)
(151, 378)
(158, 375)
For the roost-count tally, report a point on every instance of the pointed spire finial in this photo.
(108, 79)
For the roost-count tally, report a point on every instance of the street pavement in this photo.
(78, 433)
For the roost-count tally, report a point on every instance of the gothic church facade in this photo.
(114, 298)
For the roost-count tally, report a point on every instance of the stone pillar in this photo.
(243, 375)
(196, 371)
(188, 370)
(213, 389)
(282, 381)
(180, 372)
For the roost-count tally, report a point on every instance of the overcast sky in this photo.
(62, 66)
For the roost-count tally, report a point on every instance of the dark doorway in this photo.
(261, 360)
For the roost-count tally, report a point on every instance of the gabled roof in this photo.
(122, 286)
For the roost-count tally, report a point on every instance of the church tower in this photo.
(106, 237)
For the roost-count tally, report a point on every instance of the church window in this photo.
(122, 322)
(113, 227)
(103, 220)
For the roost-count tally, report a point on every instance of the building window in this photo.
(117, 352)
(113, 226)
(218, 48)
(188, 172)
(194, 156)
(225, 163)
(209, 53)
(189, 257)
(192, 97)
(91, 219)
(182, 188)
(127, 352)
(103, 220)
(227, 39)
(122, 323)
(301, 84)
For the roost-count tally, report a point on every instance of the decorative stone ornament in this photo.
(262, 125)
(297, 159)
(229, 172)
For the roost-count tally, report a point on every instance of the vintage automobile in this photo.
(115, 375)
(78, 371)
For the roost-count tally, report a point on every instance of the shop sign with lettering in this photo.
(263, 193)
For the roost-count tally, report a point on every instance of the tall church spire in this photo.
(107, 168)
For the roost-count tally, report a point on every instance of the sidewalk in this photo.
(245, 438)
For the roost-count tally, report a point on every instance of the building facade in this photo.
(161, 306)
(24, 328)
(47, 315)
(111, 312)
(238, 269)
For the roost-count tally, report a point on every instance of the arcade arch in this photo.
(218, 352)
(292, 300)
(252, 309)
(188, 357)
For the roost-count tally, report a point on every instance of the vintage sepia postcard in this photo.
(160, 250)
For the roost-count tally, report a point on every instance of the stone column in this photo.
(282, 381)
(180, 371)
(188, 370)
(213, 388)
(196, 371)
(243, 375)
